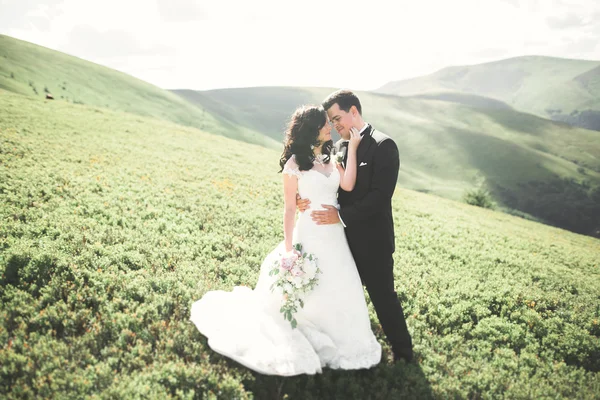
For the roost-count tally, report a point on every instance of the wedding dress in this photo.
(333, 327)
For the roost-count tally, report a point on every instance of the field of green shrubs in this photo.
(112, 224)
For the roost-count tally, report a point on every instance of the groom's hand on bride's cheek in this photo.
(302, 204)
(326, 217)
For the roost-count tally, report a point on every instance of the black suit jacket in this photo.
(367, 210)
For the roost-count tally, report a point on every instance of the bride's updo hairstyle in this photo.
(302, 133)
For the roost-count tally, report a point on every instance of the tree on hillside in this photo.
(479, 196)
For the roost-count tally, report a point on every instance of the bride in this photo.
(333, 328)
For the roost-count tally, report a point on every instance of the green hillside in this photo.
(561, 89)
(466, 99)
(110, 237)
(113, 224)
(265, 109)
(33, 70)
(532, 165)
(537, 169)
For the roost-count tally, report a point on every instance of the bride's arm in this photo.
(348, 176)
(290, 187)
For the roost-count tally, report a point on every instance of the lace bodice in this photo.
(319, 184)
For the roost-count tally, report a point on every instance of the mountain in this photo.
(560, 89)
(455, 143)
(36, 71)
(451, 143)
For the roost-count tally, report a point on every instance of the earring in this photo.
(312, 146)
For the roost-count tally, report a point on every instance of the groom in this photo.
(366, 213)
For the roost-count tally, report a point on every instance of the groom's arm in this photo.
(383, 182)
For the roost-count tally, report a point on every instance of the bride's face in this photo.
(325, 132)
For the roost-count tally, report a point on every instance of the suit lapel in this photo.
(363, 147)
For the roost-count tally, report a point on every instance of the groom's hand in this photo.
(326, 217)
(302, 204)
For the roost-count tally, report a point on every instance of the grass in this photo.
(113, 224)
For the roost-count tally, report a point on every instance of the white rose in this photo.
(288, 288)
(310, 269)
(297, 281)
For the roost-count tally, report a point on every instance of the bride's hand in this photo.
(354, 139)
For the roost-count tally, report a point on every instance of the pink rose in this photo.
(288, 261)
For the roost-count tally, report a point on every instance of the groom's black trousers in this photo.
(378, 277)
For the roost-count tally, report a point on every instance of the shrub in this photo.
(479, 197)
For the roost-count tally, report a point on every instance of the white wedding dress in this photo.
(333, 327)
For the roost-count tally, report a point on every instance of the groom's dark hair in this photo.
(344, 99)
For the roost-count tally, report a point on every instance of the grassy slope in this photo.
(445, 147)
(25, 67)
(265, 109)
(530, 83)
(115, 223)
(466, 157)
(466, 99)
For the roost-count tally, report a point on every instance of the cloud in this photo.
(564, 22)
(203, 44)
(583, 46)
(579, 47)
(227, 11)
(181, 10)
(491, 53)
(92, 43)
(23, 13)
(514, 3)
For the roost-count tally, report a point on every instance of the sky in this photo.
(360, 45)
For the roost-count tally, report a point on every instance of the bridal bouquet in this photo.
(296, 274)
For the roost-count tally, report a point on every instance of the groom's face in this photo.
(342, 120)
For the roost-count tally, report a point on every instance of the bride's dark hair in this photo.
(302, 133)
